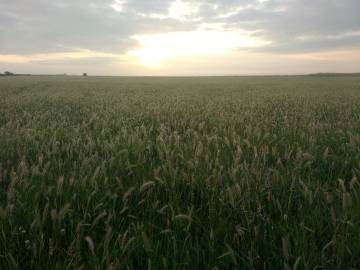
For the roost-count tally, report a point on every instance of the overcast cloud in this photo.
(292, 26)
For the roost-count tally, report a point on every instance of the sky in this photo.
(179, 37)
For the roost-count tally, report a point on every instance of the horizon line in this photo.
(188, 75)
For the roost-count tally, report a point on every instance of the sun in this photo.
(154, 49)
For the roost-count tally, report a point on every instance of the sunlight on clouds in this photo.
(180, 9)
(118, 5)
(156, 48)
(81, 54)
(13, 58)
(232, 12)
(256, 5)
(338, 36)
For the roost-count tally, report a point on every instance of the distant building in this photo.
(8, 73)
(84, 74)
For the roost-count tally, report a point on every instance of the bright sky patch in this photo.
(153, 49)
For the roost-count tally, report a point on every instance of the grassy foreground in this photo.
(180, 173)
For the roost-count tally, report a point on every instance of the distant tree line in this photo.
(7, 73)
(333, 74)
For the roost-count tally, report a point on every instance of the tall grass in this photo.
(179, 173)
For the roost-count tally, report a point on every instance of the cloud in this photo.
(284, 21)
(48, 26)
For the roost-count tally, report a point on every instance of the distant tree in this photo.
(8, 73)
(84, 74)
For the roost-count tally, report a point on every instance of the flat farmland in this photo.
(180, 173)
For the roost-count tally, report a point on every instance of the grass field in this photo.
(180, 173)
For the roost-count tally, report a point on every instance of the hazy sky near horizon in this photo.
(179, 37)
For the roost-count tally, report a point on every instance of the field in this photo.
(180, 173)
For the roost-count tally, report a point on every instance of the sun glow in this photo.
(154, 49)
(74, 55)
